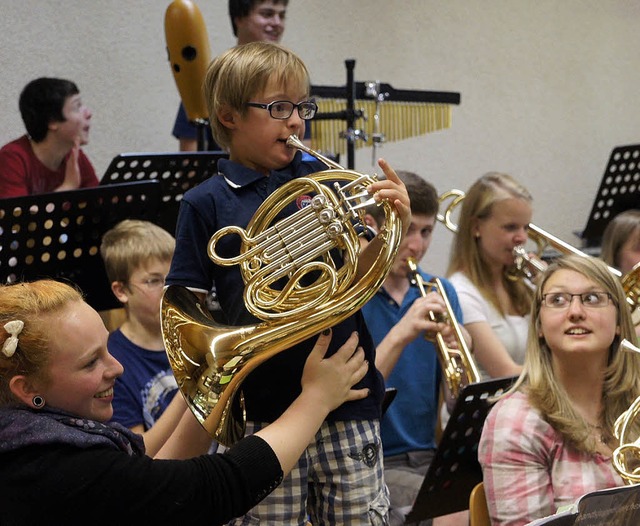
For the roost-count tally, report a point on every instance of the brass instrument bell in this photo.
(626, 457)
(210, 360)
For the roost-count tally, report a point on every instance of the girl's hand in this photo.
(330, 380)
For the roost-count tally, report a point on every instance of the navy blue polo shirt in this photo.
(232, 198)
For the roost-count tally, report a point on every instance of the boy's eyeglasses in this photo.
(562, 300)
(283, 109)
(151, 283)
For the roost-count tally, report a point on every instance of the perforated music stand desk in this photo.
(619, 191)
(58, 235)
(176, 173)
(454, 470)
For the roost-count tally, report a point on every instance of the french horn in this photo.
(626, 457)
(210, 360)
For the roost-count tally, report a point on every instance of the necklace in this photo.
(599, 432)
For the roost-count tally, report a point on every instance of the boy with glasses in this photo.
(258, 96)
(137, 255)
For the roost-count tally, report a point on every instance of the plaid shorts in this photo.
(339, 480)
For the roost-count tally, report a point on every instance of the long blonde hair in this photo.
(478, 203)
(621, 383)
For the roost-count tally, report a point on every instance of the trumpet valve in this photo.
(438, 317)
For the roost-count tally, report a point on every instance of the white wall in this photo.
(548, 87)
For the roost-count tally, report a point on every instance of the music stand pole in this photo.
(201, 127)
(351, 117)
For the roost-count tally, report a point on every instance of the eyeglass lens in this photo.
(561, 300)
(283, 109)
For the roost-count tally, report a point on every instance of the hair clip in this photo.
(14, 328)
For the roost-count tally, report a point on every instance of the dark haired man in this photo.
(48, 158)
(398, 318)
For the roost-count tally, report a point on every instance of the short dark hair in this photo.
(423, 195)
(240, 8)
(41, 102)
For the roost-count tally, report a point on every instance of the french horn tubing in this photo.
(626, 457)
(211, 360)
(458, 366)
(527, 266)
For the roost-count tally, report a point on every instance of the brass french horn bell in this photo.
(626, 457)
(458, 365)
(211, 360)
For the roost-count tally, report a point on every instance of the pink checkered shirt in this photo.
(528, 471)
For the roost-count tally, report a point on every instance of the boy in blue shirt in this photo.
(136, 256)
(258, 95)
(398, 318)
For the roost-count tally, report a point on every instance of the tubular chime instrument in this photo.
(210, 360)
(626, 457)
(458, 366)
(395, 114)
(527, 266)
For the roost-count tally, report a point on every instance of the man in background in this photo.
(48, 158)
(252, 21)
(398, 319)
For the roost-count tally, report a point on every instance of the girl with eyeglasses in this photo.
(549, 440)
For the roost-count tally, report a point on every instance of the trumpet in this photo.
(527, 266)
(524, 265)
(626, 457)
(210, 360)
(458, 366)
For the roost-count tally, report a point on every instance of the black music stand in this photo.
(454, 470)
(58, 235)
(619, 191)
(176, 173)
(389, 396)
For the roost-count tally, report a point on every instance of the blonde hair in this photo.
(131, 244)
(32, 303)
(478, 204)
(620, 229)
(621, 383)
(241, 73)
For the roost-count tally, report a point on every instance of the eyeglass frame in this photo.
(146, 283)
(269, 107)
(581, 295)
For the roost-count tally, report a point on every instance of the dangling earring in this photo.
(38, 401)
